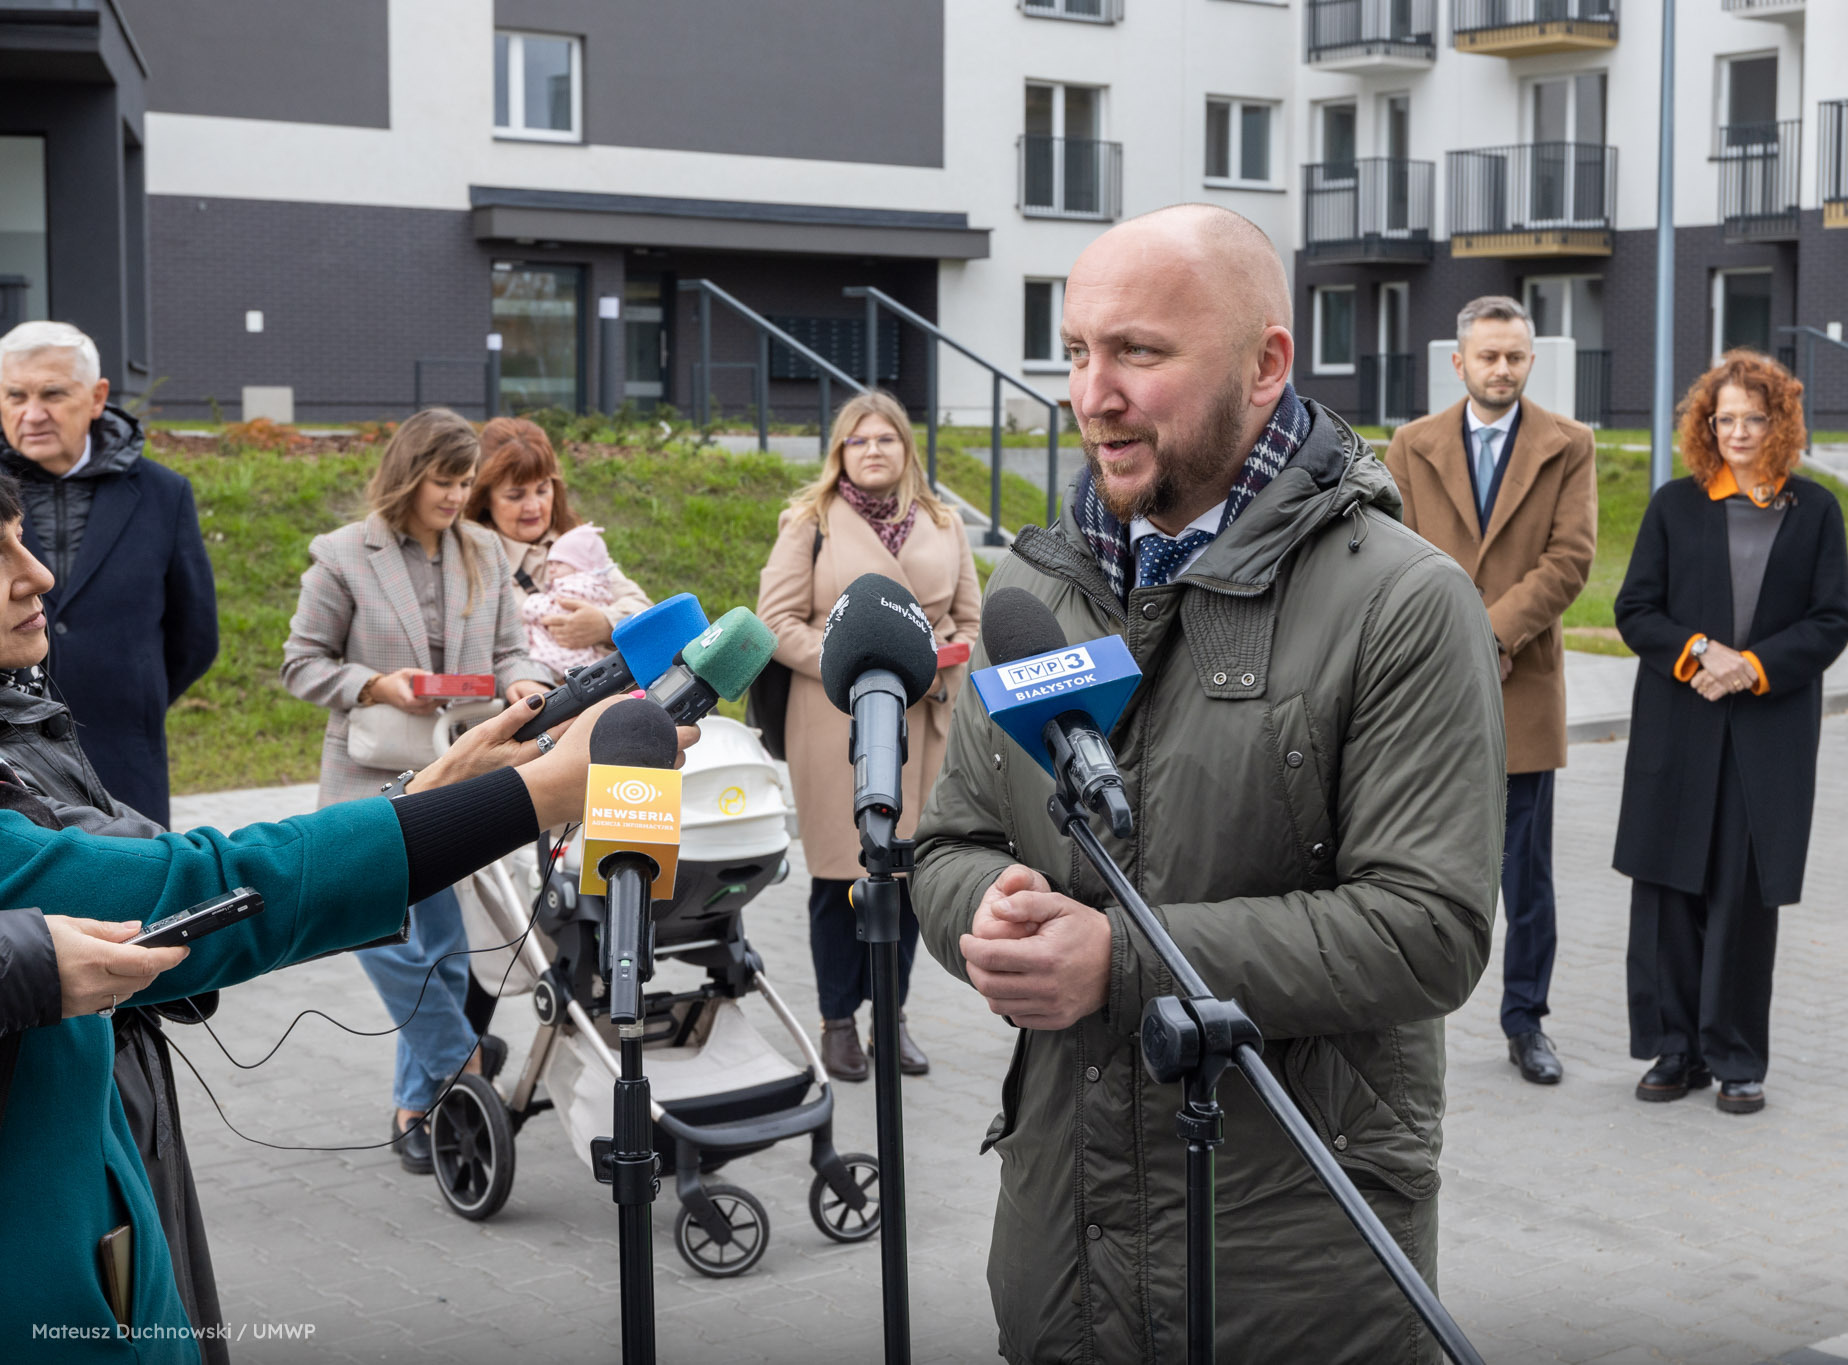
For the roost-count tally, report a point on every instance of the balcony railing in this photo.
(1533, 199)
(1084, 11)
(1388, 388)
(1373, 209)
(1070, 177)
(1357, 34)
(1765, 9)
(1832, 174)
(1528, 28)
(1759, 174)
(1593, 401)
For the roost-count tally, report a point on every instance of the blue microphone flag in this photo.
(1096, 677)
(649, 640)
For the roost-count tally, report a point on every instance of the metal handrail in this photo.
(1811, 335)
(877, 299)
(767, 331)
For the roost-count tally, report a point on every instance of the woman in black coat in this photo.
(1735, 602)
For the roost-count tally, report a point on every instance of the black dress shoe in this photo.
(413, 1144)
(1533, 1053)
(1740, 1097)
(1671, 1077)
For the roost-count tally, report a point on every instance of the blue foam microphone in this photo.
(646, 644)
(1057, 700)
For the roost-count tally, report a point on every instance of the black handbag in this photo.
(766, 705)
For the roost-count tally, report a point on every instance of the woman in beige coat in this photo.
(410, 590)
(870, 511)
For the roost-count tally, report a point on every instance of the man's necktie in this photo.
(1485, 465)
(1158, 558)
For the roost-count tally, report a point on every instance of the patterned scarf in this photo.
(1108, 539)
(879, 513)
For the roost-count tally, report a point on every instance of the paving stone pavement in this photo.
(1577, 1226)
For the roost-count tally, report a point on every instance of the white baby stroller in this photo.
(720, 1090)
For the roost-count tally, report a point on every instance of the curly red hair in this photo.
(514, 450)
(1780, 391)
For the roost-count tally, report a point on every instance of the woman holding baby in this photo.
(569, 592)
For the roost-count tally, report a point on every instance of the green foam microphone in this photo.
(722, 661)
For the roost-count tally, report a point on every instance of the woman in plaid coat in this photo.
(410, 590)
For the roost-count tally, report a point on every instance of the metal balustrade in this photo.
(1760, 167)
(1525, 28)
(1388, 388)
(1533, 198)
(1371, 209)
(1832, 174)
(1364, 32)
(1069, 177)
(1084, 11)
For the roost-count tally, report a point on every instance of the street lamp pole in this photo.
(1662, 424)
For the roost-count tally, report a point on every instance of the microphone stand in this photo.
(879, 909)
(628, 1160)
(1192, 1038)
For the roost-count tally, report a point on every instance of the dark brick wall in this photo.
(1809, 286)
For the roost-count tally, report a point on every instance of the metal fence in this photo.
(1375, 207)
(1832, 174)
(1470, 16)
(1388, 387)
(1085, 11)
(1532, 185)
(1748, 7)
(1760, 164)
(1352, 28)
(1070, 177)
(1593, 403)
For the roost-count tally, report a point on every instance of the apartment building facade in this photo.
(348, 199)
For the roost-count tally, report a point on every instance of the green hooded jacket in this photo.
(1315, 760)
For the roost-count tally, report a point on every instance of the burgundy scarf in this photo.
(879, 513)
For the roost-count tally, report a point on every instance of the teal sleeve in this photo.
(329, 880)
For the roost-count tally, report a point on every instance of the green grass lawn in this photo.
(677, 520)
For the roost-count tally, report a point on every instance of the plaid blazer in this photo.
(358, 616)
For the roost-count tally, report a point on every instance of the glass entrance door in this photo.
(538, 311)
(644, 341)
(24, 292)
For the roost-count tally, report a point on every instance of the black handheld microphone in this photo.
(645, 644)
(1017, 625)
(878, 658)
(631, 734)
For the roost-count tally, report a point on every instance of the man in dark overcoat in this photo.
(134, 616)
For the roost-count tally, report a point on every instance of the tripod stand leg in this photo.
(1200, 1254)
(890, 1108)
(634, 1191)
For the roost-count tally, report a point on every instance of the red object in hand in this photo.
(948, 656)
(453, 685)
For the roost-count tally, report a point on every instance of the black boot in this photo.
(1673, 1075)
(1740, 1097)
(841, 1052)
(413, 1144)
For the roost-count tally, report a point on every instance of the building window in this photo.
(1334, 330)
(538, 87)
(1067, 170)
(1040, 345)
(1338, 139)
(1239, 148)
(839, 341)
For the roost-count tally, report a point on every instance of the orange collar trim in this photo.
(1724, 485)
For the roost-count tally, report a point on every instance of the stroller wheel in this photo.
(749, 1222)
(834, 1215)
(471, 1141)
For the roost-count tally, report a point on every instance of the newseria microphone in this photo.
(632, 797)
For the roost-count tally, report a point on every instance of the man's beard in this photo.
(1183, 468)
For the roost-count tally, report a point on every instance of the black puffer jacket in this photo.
(59, 508)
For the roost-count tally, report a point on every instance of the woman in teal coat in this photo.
(69, 1171)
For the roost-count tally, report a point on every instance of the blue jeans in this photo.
(437, 1039)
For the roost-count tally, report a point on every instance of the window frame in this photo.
(1234, 106)
(516, 89)
(1316, 364)
(1058, 364)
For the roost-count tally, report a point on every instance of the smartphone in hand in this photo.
(186, 927)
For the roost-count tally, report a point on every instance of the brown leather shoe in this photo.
(841, 1052)
(911, 1058)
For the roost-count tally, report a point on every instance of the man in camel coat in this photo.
(1510, 491)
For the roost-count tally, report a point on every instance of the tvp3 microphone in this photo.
(721, 661)
(631, 837)
(1058, 701)
(878, 659)
(646, 644)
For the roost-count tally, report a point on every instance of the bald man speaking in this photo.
(1314, 756)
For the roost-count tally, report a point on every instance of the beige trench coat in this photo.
(358, 615)
(1532, 563)
(793, 597)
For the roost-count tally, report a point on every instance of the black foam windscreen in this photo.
(877, 623)
(1017, 625)
(636, 733)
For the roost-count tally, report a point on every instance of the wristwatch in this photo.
(395, 788)
(1699, 647)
